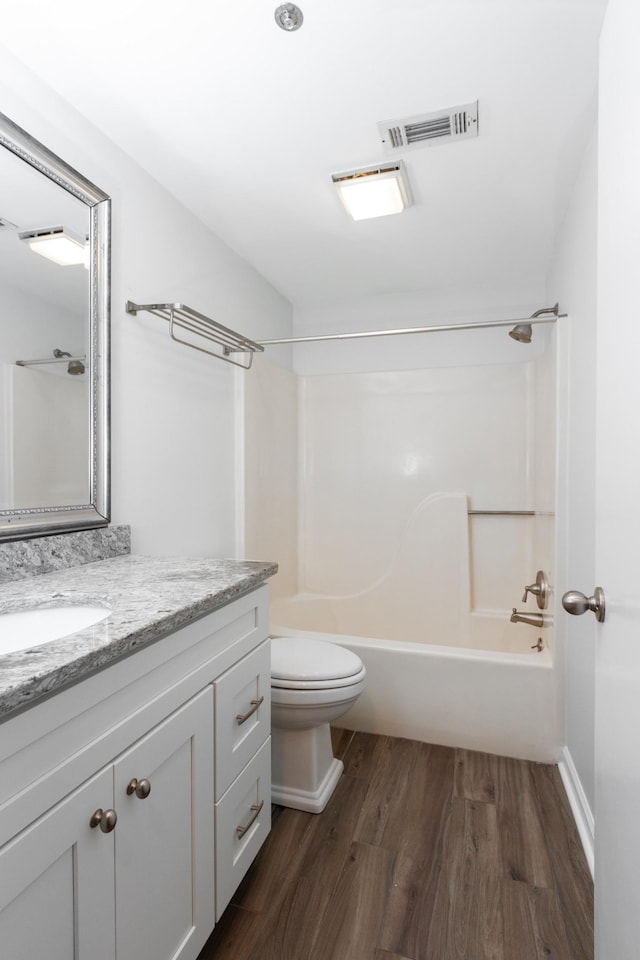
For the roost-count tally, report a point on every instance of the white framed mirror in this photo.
(54, 342)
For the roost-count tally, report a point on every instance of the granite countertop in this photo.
(149, 597)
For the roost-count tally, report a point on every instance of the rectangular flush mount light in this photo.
(57, 244)
(375, 191)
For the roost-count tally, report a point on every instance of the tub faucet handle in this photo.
(540, 590)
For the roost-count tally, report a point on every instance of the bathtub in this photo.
(483, 688)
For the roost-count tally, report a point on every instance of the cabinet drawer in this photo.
(243, 714)
(243, 821)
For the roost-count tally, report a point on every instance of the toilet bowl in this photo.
(313, 682)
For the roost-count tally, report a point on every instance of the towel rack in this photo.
(182, 317)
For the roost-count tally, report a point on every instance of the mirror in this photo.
(54, 342)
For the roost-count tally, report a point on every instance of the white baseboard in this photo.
(579, 805)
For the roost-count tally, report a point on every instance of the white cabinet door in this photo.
(164, 843)
(57, 882)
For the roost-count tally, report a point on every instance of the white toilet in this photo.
(313, 682)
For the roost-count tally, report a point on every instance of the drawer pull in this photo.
(255, 704)
(256, 807)
(105, 819)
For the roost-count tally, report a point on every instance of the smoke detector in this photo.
(428, 129)
(288, 17)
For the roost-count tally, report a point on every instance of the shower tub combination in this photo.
(436, 671)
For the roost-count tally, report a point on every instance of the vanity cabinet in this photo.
(176, 741)
(152, 870)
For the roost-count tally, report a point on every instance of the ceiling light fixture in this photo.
(288, 17)
(57, 244)
(376, 191)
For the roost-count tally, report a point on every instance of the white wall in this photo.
(573, 280)
(175, 435)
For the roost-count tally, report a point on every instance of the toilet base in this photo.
(304, 771)
(311, 801)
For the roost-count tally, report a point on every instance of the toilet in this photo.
(313, 682)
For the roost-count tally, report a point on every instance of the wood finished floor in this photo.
(423, 853)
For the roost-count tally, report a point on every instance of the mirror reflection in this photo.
(44, 427)
(55, 239)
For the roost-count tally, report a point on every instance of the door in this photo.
(617, 439)
(163, 789)
(56, 882)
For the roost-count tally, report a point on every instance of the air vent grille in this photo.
(427, 129)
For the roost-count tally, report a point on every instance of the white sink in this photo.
(30, 628)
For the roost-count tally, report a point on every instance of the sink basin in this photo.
(30, 628)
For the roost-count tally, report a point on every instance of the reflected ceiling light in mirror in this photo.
(58, 244)
(376, 191)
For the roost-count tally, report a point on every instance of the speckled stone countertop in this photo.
(149, 597)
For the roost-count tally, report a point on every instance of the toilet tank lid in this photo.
(295, 658)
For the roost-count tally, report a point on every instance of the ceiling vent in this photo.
(427, 129)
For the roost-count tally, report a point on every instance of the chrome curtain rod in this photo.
(501, 513)
(404, 330)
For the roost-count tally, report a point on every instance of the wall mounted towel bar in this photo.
(181, 317)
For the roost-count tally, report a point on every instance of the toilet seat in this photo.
(313, 665)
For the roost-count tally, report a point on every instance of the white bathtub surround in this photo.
(374, 446)
(269, 448)
(421, 595)
(57, 443)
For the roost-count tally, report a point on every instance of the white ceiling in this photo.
(245, 123)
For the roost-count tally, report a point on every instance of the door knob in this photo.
(577, 603)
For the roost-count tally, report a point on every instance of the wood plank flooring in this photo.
(423, 853)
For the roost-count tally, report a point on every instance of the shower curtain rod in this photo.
(404, 330)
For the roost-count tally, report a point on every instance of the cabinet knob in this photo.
(105, 819)
(141, 788)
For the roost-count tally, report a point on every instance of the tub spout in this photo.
(534, 619)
